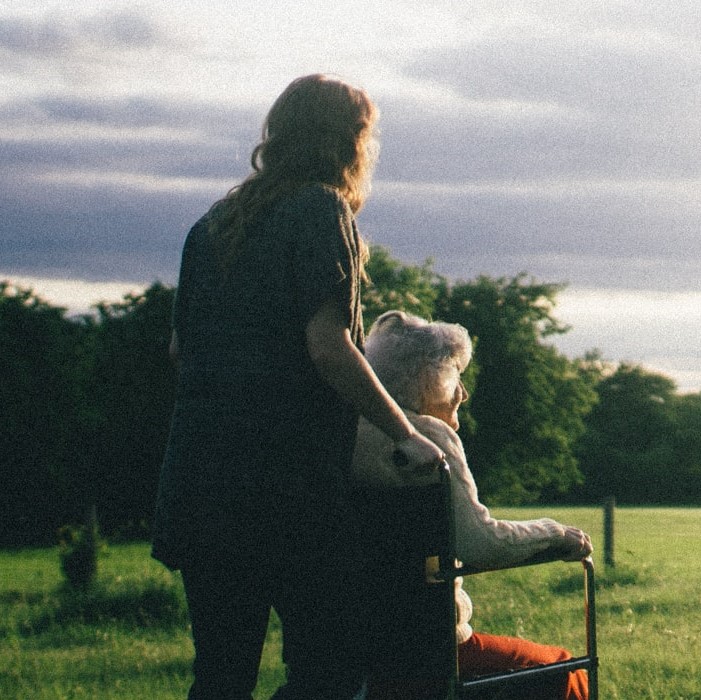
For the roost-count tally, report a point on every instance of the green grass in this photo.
(648, 612)
(128, 637)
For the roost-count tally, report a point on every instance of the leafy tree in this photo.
(85, 404)
(393, 285)
(43, 355)
(528, 402)
(133, 388)
(628, 450)
(684, 480)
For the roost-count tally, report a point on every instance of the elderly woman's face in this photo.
(446, 407)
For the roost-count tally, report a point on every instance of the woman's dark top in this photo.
(259, 443)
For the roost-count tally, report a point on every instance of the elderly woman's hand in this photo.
(418, 454)
(576, 544)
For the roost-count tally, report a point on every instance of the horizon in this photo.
(585, 311)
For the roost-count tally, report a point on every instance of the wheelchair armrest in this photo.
(545, 557)
(449, 572)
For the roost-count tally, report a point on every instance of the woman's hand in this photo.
(417, 454)
(576, 544)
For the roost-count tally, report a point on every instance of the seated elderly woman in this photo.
(420, 364)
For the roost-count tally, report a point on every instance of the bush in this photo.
(78, 551)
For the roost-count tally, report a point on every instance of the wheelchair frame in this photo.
(469, 689)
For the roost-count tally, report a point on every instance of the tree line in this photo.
(85, 405)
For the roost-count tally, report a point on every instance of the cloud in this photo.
(86, 52)
(658, 330)
(581, 232)
(155, 137)
(91, 160)
(106, 188)
(120, 30)
(106, 232)
(32, 37)
(604, 98)
(60, 35)
(128, 113)
(567, 145)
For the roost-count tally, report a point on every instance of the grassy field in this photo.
(128, 637)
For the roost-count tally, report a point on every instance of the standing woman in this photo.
(254, 502)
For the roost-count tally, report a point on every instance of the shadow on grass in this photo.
(148, 604)
(608, 577)
(13, 597)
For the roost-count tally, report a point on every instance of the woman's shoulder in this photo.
(319, 197)
(199, 234)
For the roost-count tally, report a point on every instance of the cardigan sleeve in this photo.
(481, 540)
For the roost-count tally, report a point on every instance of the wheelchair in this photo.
(413, 530)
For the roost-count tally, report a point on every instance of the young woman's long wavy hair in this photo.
(320, 130)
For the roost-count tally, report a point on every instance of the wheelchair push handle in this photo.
(401, 461)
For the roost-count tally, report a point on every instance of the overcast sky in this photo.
(557, 138)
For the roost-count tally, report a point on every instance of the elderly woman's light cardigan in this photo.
(482, 541)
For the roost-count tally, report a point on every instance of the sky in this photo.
(559, 139)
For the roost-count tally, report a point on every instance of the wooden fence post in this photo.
(609, 509)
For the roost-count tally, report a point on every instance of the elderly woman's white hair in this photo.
(416, 359)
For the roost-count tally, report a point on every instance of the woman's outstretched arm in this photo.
(346, 370)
